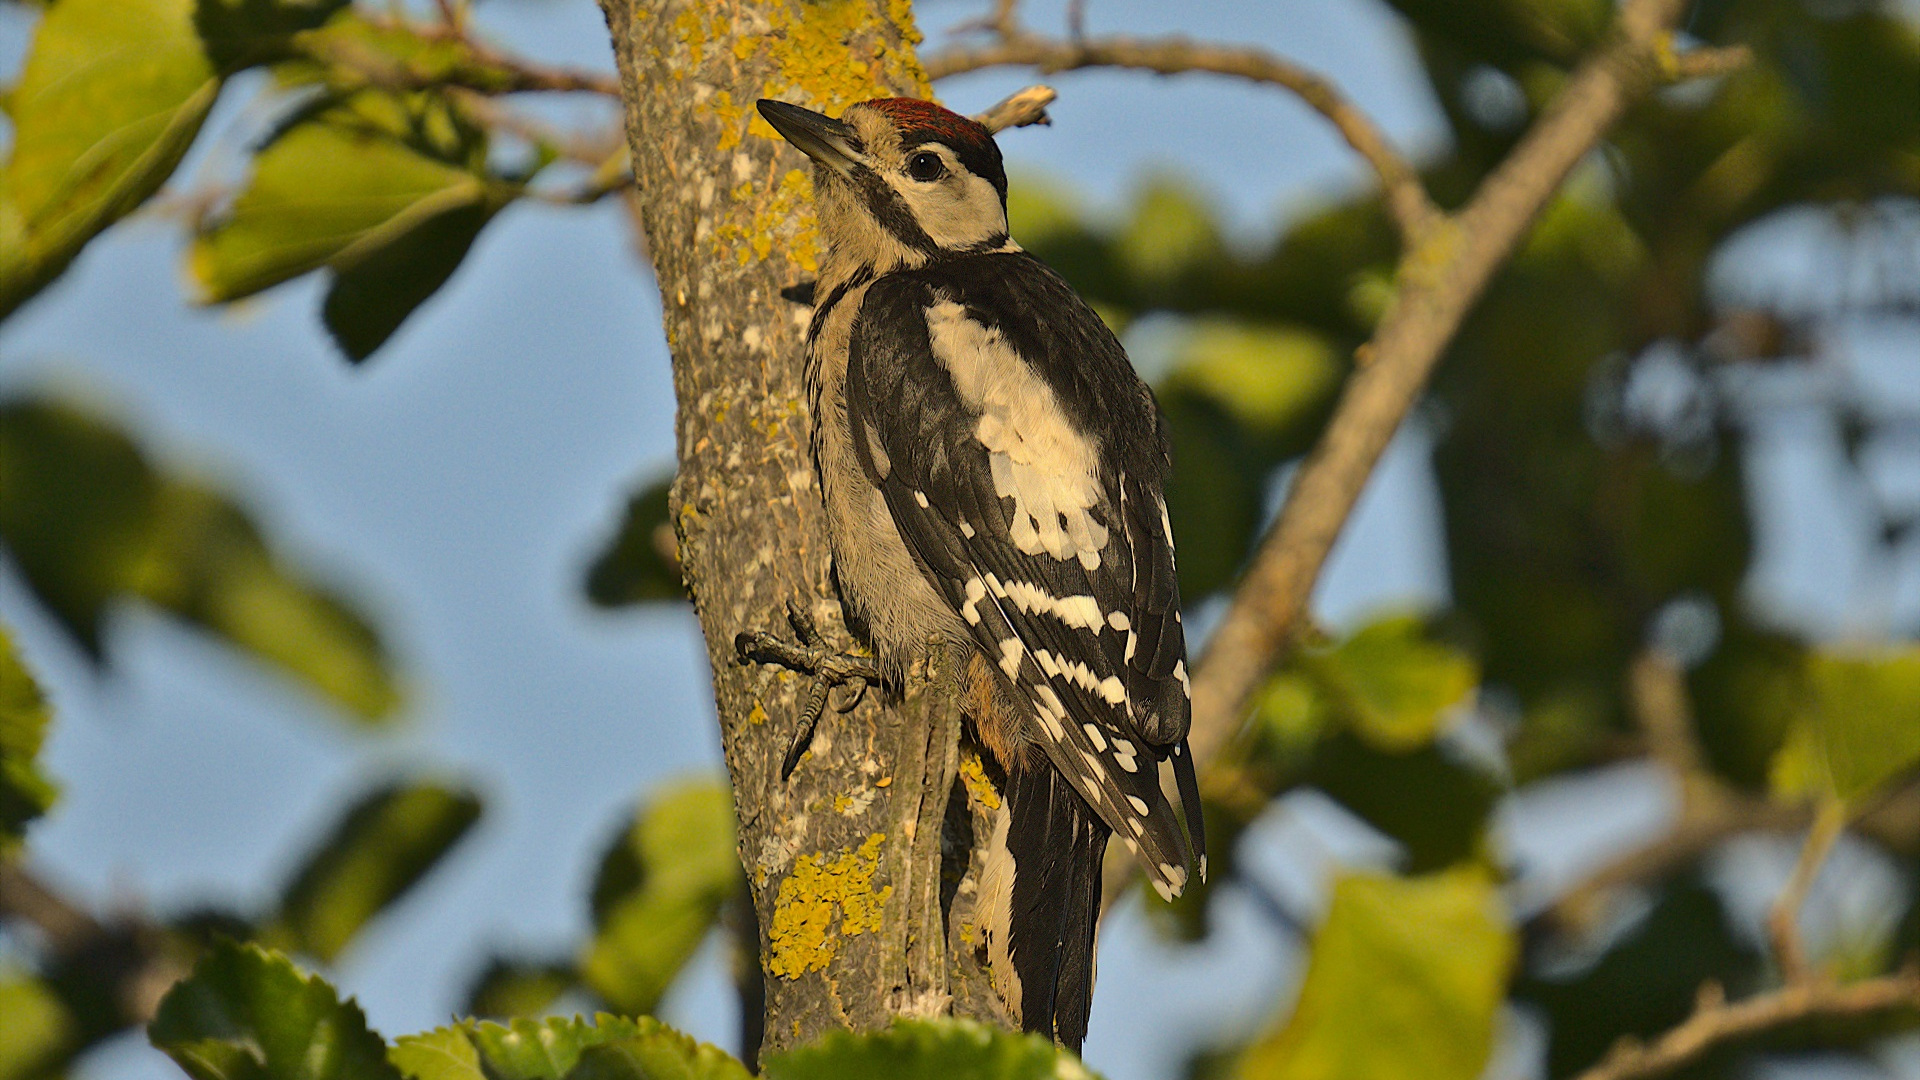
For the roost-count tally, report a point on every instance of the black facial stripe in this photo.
(892, 214)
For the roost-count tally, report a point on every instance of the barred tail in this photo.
(1042, 892)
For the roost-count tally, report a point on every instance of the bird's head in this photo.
(898, 181)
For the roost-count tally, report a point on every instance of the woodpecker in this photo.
(994, 476)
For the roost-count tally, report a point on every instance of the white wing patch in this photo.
(1038, 460)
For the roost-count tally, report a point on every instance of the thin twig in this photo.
(1783, 922)
(483, 75)
(1019, 109)
(1412, 209)
(1715, 1021)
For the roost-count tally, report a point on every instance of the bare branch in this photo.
(1407, 199)
(1715, 1022)
(1440, 279)
(1704, 63)
(1020, 109)
(1783, 922)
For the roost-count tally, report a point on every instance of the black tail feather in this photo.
(1057, 845)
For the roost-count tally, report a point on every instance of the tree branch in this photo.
(1715, 1022)
(1019, 109)
(1440, 279)
(1407, 199)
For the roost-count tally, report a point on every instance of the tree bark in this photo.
(858, 865)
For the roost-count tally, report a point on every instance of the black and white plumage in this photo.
(994, 475)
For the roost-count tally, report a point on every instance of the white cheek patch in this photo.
(956, 213)
(1038, 460)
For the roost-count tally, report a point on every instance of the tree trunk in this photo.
(860, 865)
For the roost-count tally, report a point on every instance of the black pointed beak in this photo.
(822, 138)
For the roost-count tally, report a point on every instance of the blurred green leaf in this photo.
(608, 1048)
(1859, 728)
(111, 95)
(1433, 803)
(641, 563)
(658, 893)
(1170, 240)
(382, 847)
(248, 1014)
(36, 1033)
(25, 792)
(1406, 979)
(242, 33)
(1745, 697)
(1268, 378)
(374, 293)
(387, 190)
(1392, 682)
(508, 988)
(925, 1050)
(89, 522)
(353, 51)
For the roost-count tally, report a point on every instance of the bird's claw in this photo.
(809, 655)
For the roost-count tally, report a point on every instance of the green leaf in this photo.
(444, 1053)
(249, 1014)
(658, 893)
(1170, 239)
(608, 1048)
(511, 987)
(385, 844)
(1268, 378)
(641, 563)
(930, 1049)
(111, 95)
(36, 1032)
(242, 33)
(1393, 682)
(1406, 979)
(374, 293)
(25, 792)
(1860, 726)
(90, 521)
(339, 186)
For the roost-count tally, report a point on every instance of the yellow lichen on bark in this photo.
(821, 891)
(973, 772)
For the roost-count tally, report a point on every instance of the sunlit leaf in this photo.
(641, 562)
(25, 792)
(248, 1014)
(89, 521)
(928, 1050)
(387, 190)
(111, 95)
(607, 1048)
(1406, 979)
(1392, 682)
(384, 844)
(36, 1031)
(658, 893)
(1268, 378)
(1859, 727)
(1170, 239)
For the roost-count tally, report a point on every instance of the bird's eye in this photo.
(926, 166)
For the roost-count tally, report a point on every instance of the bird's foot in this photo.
(809, 655)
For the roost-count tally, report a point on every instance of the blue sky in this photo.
(459, 481)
